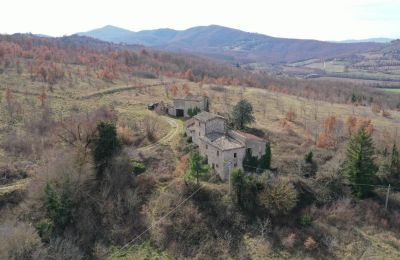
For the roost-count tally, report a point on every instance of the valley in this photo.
(59, 95)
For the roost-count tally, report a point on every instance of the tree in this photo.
(238, 183)
(58, 206)
(242, 114)
(193, 111)
(250, 162)
(265, 160)
(105, 145)
(308, 157)
(196, 167)
(359, 165)
(279, 197)
(395, 161)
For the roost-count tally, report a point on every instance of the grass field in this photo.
(394, 90)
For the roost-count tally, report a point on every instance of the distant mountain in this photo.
(231, 44)
(378, 40)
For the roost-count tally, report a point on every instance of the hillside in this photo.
(58, 200)
(231, 44)
(376, 68)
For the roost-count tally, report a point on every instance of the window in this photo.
(235, 165)
(217, 153)
(217, 166)
(206, 146)
(234, 155)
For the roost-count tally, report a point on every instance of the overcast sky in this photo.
(316, 19)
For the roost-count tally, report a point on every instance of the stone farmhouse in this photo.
(224, 149)
(181, 105)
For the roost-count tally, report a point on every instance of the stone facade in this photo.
(223, 148)
(181, 105)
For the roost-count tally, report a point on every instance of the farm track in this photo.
(17, 185)
(166, 139)
(119, 89)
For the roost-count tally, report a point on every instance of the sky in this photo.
(304, 19)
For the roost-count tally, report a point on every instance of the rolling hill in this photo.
(231, 44)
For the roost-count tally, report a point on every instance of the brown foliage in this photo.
(375, 108)
(290, 115)
(325, 140)
(125, 134)
(310, 243)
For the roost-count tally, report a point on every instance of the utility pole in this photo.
(387, 197)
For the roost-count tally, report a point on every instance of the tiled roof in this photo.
(206, 116)
(189, 122)
(222, 141)
(248, 136)
(189, 98)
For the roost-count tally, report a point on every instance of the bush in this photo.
(125, 135)
(308, 157)
(58, 206)
(138, 167)
(305, 220)
(18, 241)
(279, 197)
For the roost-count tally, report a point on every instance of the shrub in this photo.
(150, 125)
(58, 206)
(138, 167)
(289, 241)
(18, 241)
(308, 157)
(305, 220)
(279, 197)
(125, 135)
(290, 115)
(310, 243)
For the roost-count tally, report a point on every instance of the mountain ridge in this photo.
(231, 44)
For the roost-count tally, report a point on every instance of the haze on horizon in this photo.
(307, 19)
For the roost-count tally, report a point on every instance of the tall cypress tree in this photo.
(265, 160)
(359, 165)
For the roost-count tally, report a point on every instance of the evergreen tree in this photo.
(308, 157)
(250, 162)
(242, 114)
(105, 145)
(395, 162)
(359, 165)
(193, 111)
(196, 167)
(238, 183)
(265, 160)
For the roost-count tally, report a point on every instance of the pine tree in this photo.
(308, 157)
(106, 145)
(395, 162)
(265, 160)
(359, 165)
(197, 168)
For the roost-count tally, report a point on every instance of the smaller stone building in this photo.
(181, 105)
(224, 149)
